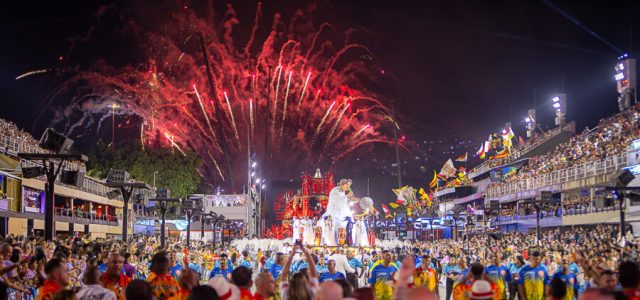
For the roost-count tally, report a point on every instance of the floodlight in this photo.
(254, 164)
(556, 99)
(258, 180)
(556, 105)
(620, 66)
(619, 76)
(527, 119)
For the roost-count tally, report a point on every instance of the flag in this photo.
(394, 205)
(448, 169)
(508, 171)
(484, 148)
(462, 158)
(434, 181)
(501, 154)
(507, 136)
(442, 176)
(386, 210)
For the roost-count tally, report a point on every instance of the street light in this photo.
(162, 197)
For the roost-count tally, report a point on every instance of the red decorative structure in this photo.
(310, 201)
(317, 188)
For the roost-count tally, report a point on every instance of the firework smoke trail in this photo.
(34, 72)
(284, 109)
(335, 125)
(275, 99)
(204, 112)
(215, 163)
(324, 119)
(233, 120)
(304, 88)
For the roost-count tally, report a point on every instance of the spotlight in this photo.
(556, 105)
(527, 119)
(263, 186)
(556, 99)
(619, 76)
(623, 178)
(254, 164)
(258, 180)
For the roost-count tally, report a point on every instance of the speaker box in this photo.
(75, 178)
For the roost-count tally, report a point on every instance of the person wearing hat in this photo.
(532, 279)
(224, 289)
(481, 290)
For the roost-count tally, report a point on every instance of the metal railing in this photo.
(582, 210)
(92, 217)
(594, 168)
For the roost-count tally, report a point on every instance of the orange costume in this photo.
(47, 290)
(163, 286)
(117, 287)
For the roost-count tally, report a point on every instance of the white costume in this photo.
(359, 234)
(308, 235)
(320, 223)
(329, 234)
(338, 207)
(296, 229)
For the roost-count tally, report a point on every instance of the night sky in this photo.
(457, 70)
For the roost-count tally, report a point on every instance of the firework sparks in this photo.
(31, 73)
(275, 99)
(335, 125)
(233, 120)
(204, 111)
(304, 88)
(284, 108)
(160, 90)
(324, 119)
(173, 143)
(361, 130)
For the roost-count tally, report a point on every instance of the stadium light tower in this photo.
(625, 76)
(530, 119)
(560, 106)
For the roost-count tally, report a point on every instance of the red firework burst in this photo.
(294, 92)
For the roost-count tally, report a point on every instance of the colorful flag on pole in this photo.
(462, 158)
(507, 136)
(448, 169)
(434, 181)
(501, 154)
(386, 210)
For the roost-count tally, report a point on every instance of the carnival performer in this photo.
(329, 232)
(296, 226)
(359, 233)
(338, 205)
(319, 232)
(308, 235)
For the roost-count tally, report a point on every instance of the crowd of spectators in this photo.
(585, 260)
(611, 138)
